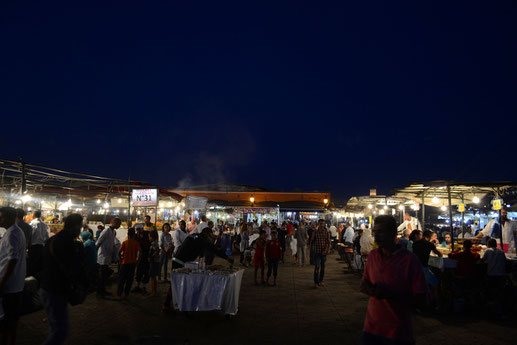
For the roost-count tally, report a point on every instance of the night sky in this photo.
(339, 96)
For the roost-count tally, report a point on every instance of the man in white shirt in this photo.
(410, 223)
(40, 234)
(200, 226)
(348, 236)
(106, 245)
(12, 274)
(508, 228)
(179, 236)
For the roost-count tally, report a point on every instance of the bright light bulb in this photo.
(325, 201)
(98, 201)
(382, 211)
(119, 200)
(385, 207)
(476, 200)
(106, 205)
(18, 202)
(370, 206)
(444, 208)
(435, 200)
(252, 199)
(26, 198)
(401, 207)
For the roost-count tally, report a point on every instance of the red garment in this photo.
(466, 263)
(401, 273)
(273, 250)
(258, 258)
(290, 229)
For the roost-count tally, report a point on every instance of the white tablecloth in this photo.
(204, 292)
(441, 262)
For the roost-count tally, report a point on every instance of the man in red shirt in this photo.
(466, 259)
(394, 280)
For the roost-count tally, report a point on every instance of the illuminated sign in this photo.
(144, 197)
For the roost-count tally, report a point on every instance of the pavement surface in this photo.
(293, 312)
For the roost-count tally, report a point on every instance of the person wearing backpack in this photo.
(62, 278)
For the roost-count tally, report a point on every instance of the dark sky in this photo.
(315, 95)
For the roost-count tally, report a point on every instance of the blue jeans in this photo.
(319, 267)
(56, 307)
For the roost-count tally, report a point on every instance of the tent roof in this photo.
(460, 191)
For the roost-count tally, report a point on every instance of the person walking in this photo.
(61, 278)
(128, 253)
(320, 242)
(301, 243)
(259, 257)
(13, 267)
(106, 244)
(394, 280)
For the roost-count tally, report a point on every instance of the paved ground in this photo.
(291, 313)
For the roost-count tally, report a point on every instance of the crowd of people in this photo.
(395, 260)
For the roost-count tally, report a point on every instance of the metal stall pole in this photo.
(500, 223)
(423, 211)
(128, 208)
(450, 217)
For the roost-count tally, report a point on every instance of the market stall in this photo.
(217, 288)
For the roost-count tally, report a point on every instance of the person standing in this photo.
(404, 240)
(165, 251)
(40, 232)
(320, 242)
(496, 273)
(128, 253)
(61, 276)
(148, 225)
(410, 223)
(143, 265)
(244, 244)
(179, 235)
(273, 255)
(106, 244)
(259, 257)
(154, 262)
(394, 280)
(26, 228)
(13, 267)
(333, 235)
(90, 256)
(203, 224)
(493, 230)
(301, 243)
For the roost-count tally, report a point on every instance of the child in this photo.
(128, 253)
(273, 255)
(258, 258)
(154, 259)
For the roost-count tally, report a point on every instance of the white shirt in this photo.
(333, 231)
(349, 235)
(496, 262)
(12, 247)
(40, 231)
(178, 237)
(509, 228)
(106, 243)
(415, 224)
(200, 227)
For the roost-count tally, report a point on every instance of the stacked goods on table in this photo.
(214, 269)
